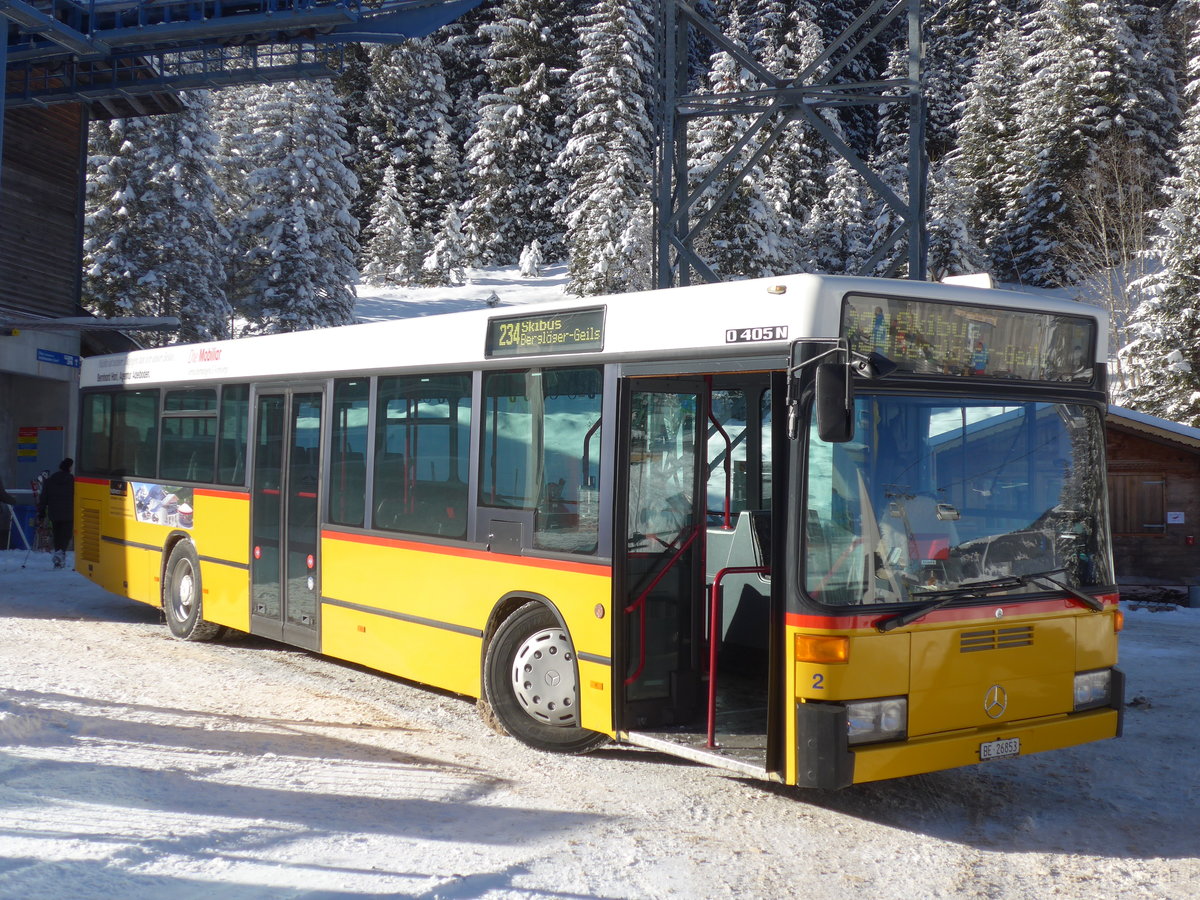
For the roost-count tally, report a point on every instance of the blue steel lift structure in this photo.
(129, 57)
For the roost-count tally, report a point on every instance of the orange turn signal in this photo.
(1118, 620)
(822, 648)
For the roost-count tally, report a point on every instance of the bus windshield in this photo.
(936, 494)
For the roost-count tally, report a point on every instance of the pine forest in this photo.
(1062, 139)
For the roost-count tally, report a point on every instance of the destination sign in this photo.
(573, 331)
(928, 338)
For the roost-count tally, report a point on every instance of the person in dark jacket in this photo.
(57, 503)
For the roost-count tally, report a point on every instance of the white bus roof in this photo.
(735, 319)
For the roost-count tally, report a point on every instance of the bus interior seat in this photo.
(348, 486)
(422, 507)
(232, 462)
(745, 597)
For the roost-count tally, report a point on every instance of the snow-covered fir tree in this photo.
(1150, 113)
(838, 234)
(986, 161)
(234, 162)
(891, 164)
(301, 270)
(1076, 91)
(407, 126)
(514, 184)
(1163, 360)
(446, 263)
(353, 86)
(392, 254)
(610, 154)
(531, 261)
(951, 248)
(153, 245)
(461, 46)
(957, 33)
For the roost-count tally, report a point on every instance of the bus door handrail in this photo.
(714, 629)
(639, 603)
(584, 479)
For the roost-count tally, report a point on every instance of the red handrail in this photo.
(714, 629)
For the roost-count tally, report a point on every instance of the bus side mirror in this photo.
(834, 403)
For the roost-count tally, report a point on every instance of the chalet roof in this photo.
(1154, 427)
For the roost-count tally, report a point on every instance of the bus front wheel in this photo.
(531, 684)
(181, 596)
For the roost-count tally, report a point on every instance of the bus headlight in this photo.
(877, 720)
(1093, 689)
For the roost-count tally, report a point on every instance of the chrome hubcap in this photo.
(185, 587)
(543, 678)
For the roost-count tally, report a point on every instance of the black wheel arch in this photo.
(509, 604)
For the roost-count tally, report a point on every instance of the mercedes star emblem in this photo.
(995, 701)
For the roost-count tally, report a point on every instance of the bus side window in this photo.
(541, 452)
(567, 517)
(347, 457)
(189, 434)
(96, 442)
(422, 442)
(135, 434)
(234, 424)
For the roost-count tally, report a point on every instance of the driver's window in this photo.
(836, 509)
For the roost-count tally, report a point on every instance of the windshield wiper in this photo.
(981, 589)
(1087, 600)
(946, 597)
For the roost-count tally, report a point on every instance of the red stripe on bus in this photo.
(222, 495)
(308, 495)
(851, 623)
(81, 479)
(557, 565)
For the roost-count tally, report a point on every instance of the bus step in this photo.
(744, 753)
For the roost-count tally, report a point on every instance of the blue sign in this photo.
(59, 359)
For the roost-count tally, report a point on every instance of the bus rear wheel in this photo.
(181, 596)
(531, 684)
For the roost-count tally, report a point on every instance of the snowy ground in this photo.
(136, 766)
(503, 284)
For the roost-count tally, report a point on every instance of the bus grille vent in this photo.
(89, 535)
(996, 639)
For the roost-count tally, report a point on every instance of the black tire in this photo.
(181, 596)
(531, 682)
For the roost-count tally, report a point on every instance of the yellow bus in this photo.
(816, 530)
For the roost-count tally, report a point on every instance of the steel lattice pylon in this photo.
(780, 102)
